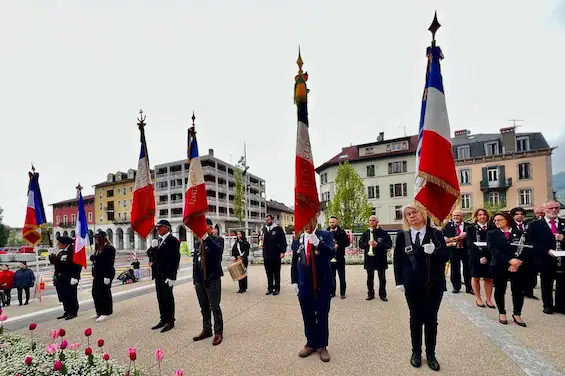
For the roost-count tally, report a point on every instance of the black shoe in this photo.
(276, 293)
(343, 296)
(470, 292)
(433, 363)
(268, 292)
(62, 316)
(206, 333)
(167, 327)
(20, 303)
(239, 291)
(532, 297)
(548, 311)
(455, 291)
(70, 317)
(370, 297)
(520, 323)
(159, 325)
(26, 303)
(416, 359)
(384, 298)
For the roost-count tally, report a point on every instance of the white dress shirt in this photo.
(422, 232)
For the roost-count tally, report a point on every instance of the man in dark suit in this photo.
(459, 253)
(341, 240)
(311, 276)
(274, 248)
(165, 256)
(67, 276)
(207, 273)
(529, 269)
(546, 235)
(375, 242)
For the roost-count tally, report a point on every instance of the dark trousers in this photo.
(69, 298)
(20, 290)
(530, 277)
(209, 296)
(58, 290)
(516, 286)
(243, 282)
(6, 297)
(371, 282)
(339, 269)
(548, 277)
(456, 258)
(166, 301)
(102, 297)
(315, 314)
(273, 271)
(423, 311)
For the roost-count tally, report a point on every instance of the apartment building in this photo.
(171, 184)
(65, 216)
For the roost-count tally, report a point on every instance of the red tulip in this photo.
(28, 360)
(62, 332)
(63, 345)
(32, 326)
(106, 357)
(88, 351)
(100, 342)
(88, 332)
(132, 353)
(58, 365)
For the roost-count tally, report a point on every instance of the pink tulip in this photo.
(54, 334)
(58, 365)
(75, 346)
(52, 348)
(3, 318)
(159, 355)
(28, 360)
(179, 372)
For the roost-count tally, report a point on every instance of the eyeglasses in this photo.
(553, 208)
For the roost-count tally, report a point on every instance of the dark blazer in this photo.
(384, 243)
(450, 231)
(214, 248)
(342, 240)
(166, 258)
(103, 263)
(274, 243)
(414, 281)
(500, 249)
(302, 274)
(542, 239)
(476, 234)
(65, 268)
(244, 247)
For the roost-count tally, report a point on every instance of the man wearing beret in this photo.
(207, 273)
(165, 257)
(67, 275)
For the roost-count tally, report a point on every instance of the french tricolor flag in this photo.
(437, 188)
(35, 214)
(143, 205)
(195, 200)
(81, 232)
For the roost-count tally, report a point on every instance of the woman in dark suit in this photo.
(420, 255)
(505, 265)
(479, 257)
(103, 273)
(240, 250)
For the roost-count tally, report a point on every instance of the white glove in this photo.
(401, 288)
(106, 281)
(205, 236)
(429, 248)
(552, 253)
(295, 285)
(154, 243)
(74, 281)
(170, 282)
(314, 239)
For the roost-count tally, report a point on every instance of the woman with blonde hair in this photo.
(479, 256)
(420, 255)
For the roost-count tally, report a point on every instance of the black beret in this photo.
(518, 209)
(163, 222)
(65, 240)
(209, 222)
(100, 233)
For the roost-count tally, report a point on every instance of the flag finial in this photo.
(33, 168)
(79, 187)
(299, 61)
(300, 89)
(434, 27)
(193, 118)
(141, 120)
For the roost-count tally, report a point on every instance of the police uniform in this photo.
(311, 275)
(67, 276)
(103, 273)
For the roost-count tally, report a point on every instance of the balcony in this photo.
(67, 224)
(177, 188)
(496, 184)
(162, 203)
(109, 209)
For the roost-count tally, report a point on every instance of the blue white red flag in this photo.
(81, 233)
(35, 212)
(143, 205)
(195, 200)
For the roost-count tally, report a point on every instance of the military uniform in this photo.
(103, 273)
(274, 244)
(67, 276)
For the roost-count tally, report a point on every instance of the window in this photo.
(73, 218)
(369, 150)
(398, 213)
(522, 143)
(100, 206)
(125, 203)
(524, 171)
(370, 192)
(491, 148)
(58, 220)
(324, 178)
(65, 219)
(465, 176)
(463, 152)
(397, 167)
(119, 215)
(466, 201)
(525, 197)
(131, 189)
(494, 198)
(370, 170)
(90, 217)
(492, 173)
(396, 146)
(398, 190)
(110, 193)
(374, 211)
(119, 203)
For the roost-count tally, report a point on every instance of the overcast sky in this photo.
(74, 74)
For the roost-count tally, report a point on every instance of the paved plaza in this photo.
(263, 334)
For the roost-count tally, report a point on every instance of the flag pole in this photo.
(141, 124)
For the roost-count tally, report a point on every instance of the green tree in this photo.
(15, 239)
(46, 231)
(289, 229)
(4, 232)
(239, 196)
(493, 208)
(350, 203)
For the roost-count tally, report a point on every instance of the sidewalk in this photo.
(263, 334)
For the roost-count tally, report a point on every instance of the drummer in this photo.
(240, 251)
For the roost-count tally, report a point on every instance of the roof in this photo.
(73, 200)
(279, 206)
(352, 152)
(476, 142)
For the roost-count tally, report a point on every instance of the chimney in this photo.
(211, 152)
(462, 133)
(508, 139)
(381, 136)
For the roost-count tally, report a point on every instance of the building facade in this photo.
(387, 168)
(282, 214)
(65, 216)
(506, 169)
(172, 182)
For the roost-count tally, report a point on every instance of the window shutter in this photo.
(404, 189)
(377, 194)
(404, 166)
(389, 168)
(502, 175)
(392, 190)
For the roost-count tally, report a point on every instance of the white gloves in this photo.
(170, 282)
(74, 281)
(483, 260)
(401, 288)
(154, 243)
(295, 285)
(107, 281)
(205, 236)
(314, 239)
(429, 248)
(552, 253)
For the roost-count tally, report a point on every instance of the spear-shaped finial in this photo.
(299, 61)
(79, 187)
(193, 118)
(33, 168)
(141, 120)
(434, 27)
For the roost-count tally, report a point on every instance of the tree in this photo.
(4, 232)
(493, 208)
(289, 229)
(46, 231)
(239, 196)
(350, 203)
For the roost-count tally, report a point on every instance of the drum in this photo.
(447, 267)
(237, 270)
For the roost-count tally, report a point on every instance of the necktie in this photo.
(417, 241)
(458, 229)
(484, 228)
(521, 227)
(507, 234)
(159, 242)
(553, 226)
(460, 242)
(308, 251)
